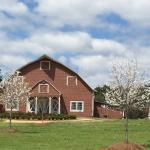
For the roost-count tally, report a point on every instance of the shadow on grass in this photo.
(147, 145)
(29, 132)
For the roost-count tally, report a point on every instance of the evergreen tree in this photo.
(100, 93)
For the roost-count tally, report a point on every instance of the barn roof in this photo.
(51, 59)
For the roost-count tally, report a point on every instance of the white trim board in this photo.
(47, 83)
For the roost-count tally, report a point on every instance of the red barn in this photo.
(56, 88)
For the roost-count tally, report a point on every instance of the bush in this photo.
(5, 115)
(22, 117)
(72, 117)
(33, 116)
(136, 113)
(39, 117)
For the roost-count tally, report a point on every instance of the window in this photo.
(43, 88)
(15, 106)
(76, 106)
(45, 65)
(32, 105)
(72, 80)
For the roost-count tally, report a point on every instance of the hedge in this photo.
(136, 113)
(33, 116)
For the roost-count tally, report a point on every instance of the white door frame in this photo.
(50, 103)
(55, 105)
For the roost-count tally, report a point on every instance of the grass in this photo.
(73, 136)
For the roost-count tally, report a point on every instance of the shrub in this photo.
(72, 117)
(33, 116)
(136, 113)
(17, 117)
(23, 116)
(39, 117)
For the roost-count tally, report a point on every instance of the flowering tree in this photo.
(127, 89)
(14, 92)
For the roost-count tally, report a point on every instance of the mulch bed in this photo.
(8, 130)
(124, 146)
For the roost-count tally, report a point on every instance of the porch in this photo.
(44, 105)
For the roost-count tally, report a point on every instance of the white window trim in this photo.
(76, 82)
(28, 106)
(39, 90)
(8, 109)
(76, 105)
(41, 65)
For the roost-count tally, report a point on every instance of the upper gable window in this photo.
(45, 65)
(72, 80)
(43, 88)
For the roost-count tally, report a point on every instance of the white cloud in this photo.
(13, 7)
(92, 56)
(94, 69)
(90, 64)
(137, 12)
(12, 62)
(59, 42)
(108, 47)
(81, 44)
(67, 12)
(62, 59)
(97, 79)
(84, 12)
(51, 14)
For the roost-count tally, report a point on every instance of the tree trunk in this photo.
(42, 117)
(126, 129)
(10, 118)
(149, 112)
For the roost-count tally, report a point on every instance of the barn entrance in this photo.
(44, 104)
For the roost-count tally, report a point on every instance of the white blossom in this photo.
(128, 87)
(14, 90)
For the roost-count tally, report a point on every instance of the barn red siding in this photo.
(57, 76)
(101, 112)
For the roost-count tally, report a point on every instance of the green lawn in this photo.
(73, 136)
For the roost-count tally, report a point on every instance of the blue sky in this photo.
(88, 36)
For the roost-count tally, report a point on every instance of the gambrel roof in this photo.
(53, 60)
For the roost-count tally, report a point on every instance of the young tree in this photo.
(15, 92)
(128, 89)
(43, 108)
